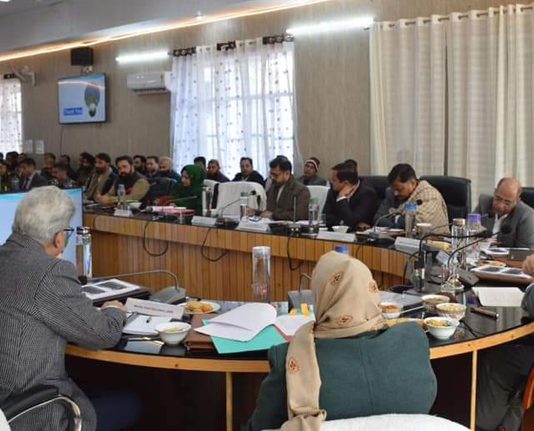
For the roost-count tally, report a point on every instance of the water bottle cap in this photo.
(411, 206)
(473, 218)
(261, 251)
(460, 222)
(342, 249)
(83, 230)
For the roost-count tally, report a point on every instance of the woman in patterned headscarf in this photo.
(347, 364)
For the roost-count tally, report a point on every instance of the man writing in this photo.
(135, 184)
(506, 208)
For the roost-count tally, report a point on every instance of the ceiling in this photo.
(17, 6)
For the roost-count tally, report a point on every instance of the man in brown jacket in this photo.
(285, 192)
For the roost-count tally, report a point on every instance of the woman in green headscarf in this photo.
(189, 192)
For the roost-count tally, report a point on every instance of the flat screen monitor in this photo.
(82, 99)
(8, 206)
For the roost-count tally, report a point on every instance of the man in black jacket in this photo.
(29, 176)
(248, 173)
(349, 202)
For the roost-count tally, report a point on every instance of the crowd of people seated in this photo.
(350, 201)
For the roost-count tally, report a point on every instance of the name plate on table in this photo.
(122, 213)
(253, 226)
(409, 245)
(336, 236)
(203, 221)
(153, 308)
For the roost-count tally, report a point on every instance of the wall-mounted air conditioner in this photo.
(149, 82)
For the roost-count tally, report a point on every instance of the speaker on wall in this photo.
(81, 56)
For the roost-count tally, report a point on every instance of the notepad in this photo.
(139, 324)
(499, 296)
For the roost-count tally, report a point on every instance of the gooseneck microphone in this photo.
(220, 211)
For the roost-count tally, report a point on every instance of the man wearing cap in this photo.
(310, 177)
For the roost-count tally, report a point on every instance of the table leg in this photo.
(474, 371)
(229, 402)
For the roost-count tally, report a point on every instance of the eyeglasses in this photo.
(504, 202)
(68, 233)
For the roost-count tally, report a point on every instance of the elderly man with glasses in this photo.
(506, 208)
(42, 308)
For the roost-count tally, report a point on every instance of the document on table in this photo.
(289, 325)
(139, 324)
(499, 296)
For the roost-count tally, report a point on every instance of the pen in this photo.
(148, 319)
(485, 312)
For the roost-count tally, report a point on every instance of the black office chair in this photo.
(377, 182)
(159, 186)
(528, 196)
(456, 192)
(39, 396)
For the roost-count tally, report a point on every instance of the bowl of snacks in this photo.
(172, 333)
(451, 310)
(441, 327)
(430, 301)
(390, 310)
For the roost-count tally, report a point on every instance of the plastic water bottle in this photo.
(458, 240)
(313, 216)
(121, 195)
(474, 227)
(410, 211)
(344, 249)
(84, 257)
(207, 196)
(14, 183)
(243, 205)
(261, 274)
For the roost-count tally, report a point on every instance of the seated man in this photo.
(335, 367)
(200, 161)
(285, 192)
(49, 163)
(59, 173)
(102, 179)
(404, 188)
(503, 374)
(152, 167)
(248, 173)
(135, 184)
(349, 201)
(310, 177)
(506, 208)
(29, 178)
(42, 308)
(140, 164)
(86, 168)
(166, 170)
(214, 172)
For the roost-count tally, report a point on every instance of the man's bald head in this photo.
(506, 195)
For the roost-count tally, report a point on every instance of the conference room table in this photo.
(216, 264)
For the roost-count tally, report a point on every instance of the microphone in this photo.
(294, 227)
(374, 233)
(220, 211)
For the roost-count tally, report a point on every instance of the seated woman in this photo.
(347, 364)
(189, 192)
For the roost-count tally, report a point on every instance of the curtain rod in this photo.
(225, 46)
(446, 18)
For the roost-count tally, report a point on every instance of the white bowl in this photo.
(451, 310)
(172, 333)
(135, 205)
(434, 325)
(430, 301)
(390, 314)
(341, 229)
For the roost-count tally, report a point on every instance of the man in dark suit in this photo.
(214, 172)
(42, 308)
(349, 202)
(29, 176)
(248, 173)
(285, 192)
(506, 208)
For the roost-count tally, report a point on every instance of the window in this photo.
(10, 115)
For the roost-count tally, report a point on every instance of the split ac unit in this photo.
(149, 82)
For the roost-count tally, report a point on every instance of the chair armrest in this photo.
(528, 394)
(19, 403)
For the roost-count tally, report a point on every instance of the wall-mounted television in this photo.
(82, 99)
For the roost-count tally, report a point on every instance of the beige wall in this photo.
(332, 82)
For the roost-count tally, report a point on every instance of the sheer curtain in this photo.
(232, 103)
(10, 115)
(408, 88)
(491, 96)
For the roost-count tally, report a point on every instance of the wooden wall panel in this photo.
(118, 248)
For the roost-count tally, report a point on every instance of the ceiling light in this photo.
(199, 16)
(141, 57)
(327, 26)
(5, 1)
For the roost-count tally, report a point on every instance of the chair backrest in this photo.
(229, 193)
(528, 196)
(210, 183)
(456, 192)
(320, 193)
(159, 186)
(377, 182)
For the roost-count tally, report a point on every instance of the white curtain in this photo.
(408, 85)
(233, 103)
(10, 115)
(491, 96)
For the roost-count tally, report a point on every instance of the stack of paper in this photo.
(138, 324)
(499, 296)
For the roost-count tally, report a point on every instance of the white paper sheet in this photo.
(499, 296)
(289, 325)
(139, 324)
(242, 323)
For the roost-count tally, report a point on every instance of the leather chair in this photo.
(528, 196)
(159, 186)
(456, 192)
(377, 182)
(39, 396)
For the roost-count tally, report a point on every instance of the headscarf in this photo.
(346, 304)
(197, 176)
